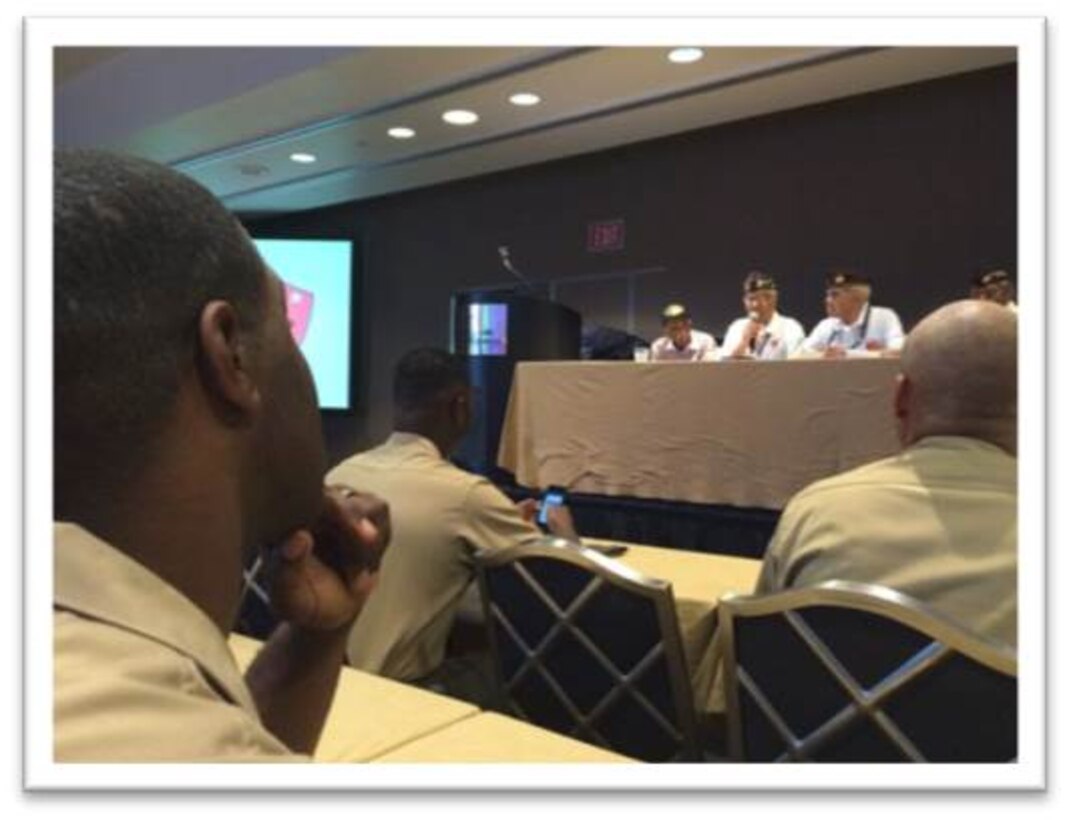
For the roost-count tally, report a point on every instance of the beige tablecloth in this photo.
(492, 738)
(750, 434)
(370, 715)
(698, 581)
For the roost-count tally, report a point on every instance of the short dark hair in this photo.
(422, 374)
(139, 250)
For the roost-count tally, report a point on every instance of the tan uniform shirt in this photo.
(937, 522)
(141, 673)
(440, 516)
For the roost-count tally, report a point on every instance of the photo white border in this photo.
(42, 34)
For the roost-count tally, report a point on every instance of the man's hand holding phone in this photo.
(553, 514)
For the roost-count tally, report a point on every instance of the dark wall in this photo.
(913, 186)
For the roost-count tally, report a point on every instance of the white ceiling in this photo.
(231, 117)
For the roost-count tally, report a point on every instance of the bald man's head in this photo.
(959, 375)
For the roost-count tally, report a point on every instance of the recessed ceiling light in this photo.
(685, 55)
(303, 158)
(459, 116)
(525, 98)
(401, 133)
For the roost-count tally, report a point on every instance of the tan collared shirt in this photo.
(440, 516)
(141, 673)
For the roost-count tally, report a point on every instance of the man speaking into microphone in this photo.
(763, 333)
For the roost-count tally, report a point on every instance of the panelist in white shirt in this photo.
(763, 333)
(681, 342)
(854, 327)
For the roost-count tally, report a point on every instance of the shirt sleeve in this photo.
(732, 338)
(492, 520)
(817, 340)
(894, 337)
(793, 336)
(708, 352)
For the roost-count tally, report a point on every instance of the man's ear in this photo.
(903, 400)
(903, 395)
(224, 364)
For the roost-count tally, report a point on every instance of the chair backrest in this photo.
(857, 672)
(586, 647)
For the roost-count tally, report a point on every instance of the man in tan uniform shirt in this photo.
(440, 515)
(186, 436)
(938, 521)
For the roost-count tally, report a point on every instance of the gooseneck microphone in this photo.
(506, 261)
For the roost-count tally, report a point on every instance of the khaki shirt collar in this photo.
(414, 442)
(98, 581)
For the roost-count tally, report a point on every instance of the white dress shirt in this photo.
(702, 348)
(878, 324)
(778, 340)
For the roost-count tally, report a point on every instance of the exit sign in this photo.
(605, 235)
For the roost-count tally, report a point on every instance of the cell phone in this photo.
(611, 550)
(552, 497)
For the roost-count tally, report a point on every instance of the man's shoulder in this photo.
(737, 323)
(872, 474)
(885, 313)
(826, 323)
(699, 338)
(939, 461)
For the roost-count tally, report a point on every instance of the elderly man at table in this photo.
(853, 327)
(441, 515)
(994, 286)
(762, 333)
(681, 342)
(937, 522)
(186, 435)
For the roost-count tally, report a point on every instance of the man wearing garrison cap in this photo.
(763, 333)
(853, 327)
(994, 286)
(680, 342)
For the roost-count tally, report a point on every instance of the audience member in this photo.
(994, 286)
(939, 520)
(186, 436)
(853, 326)
(763, 333)
(441, 516)
(680, 342)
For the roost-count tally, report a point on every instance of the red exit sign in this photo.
(605, 235)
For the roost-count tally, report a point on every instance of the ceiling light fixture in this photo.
(525, 98)
(459, 116)
(685, 55)
(303, 157)
(401, 133)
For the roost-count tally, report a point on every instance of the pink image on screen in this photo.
(299, 304)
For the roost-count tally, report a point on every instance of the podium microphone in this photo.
(506, 261)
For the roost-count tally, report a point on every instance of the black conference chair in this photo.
(255, 616)
(857, 672)
(586, 647)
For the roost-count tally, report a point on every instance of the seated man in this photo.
(994, 286)
(186, 436)
(937, 522)
(853, 327)
(680, 342)
(440, 516)
(763, 333)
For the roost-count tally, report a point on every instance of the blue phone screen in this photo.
(549, 500)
